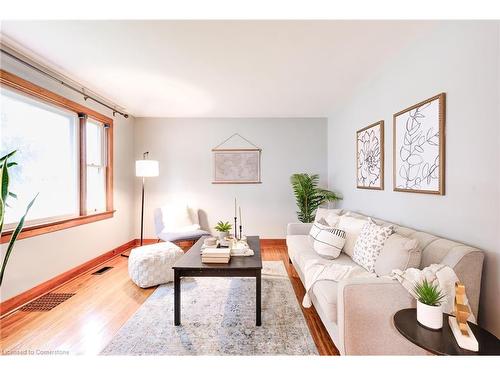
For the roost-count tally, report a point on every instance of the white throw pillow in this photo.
(352, 227)
(333, 218)
(327, 241)
(369, 244)
(193, 215)
(324, 213)
(178, 218)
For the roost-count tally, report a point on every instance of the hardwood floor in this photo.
(86, 322)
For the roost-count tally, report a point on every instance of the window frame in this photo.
(85, 168)
(25, 87)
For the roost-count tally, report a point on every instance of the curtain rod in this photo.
(81, 92)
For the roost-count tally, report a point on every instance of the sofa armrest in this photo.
(467, 262)
(298, 228)
(366, 307)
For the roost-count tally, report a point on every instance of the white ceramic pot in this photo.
(430, 316)
(222, 235)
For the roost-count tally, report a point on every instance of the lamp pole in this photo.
(142, 212)
(145, 168)
(144, 157)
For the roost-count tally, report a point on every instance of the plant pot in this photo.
(430, 316)
(222, 235)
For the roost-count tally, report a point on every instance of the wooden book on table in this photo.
(206, 259)
(216, 253)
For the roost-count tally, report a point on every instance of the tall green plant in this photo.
(5, 193)
(309, 196)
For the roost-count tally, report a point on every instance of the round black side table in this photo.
(442, 342)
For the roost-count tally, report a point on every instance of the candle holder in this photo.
(240, 232)
(235, 228)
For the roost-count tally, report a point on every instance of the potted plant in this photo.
(429, 310)
(309, 196)
(5, 193)
(223, 229)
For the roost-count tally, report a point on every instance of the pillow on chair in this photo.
(178, 219)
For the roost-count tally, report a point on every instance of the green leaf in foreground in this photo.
(13, 239)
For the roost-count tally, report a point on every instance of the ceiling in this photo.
(218, 68)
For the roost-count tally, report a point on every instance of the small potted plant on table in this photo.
(223, 229)
(429, 310)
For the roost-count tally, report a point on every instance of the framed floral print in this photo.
(419, 147)
(370, 157)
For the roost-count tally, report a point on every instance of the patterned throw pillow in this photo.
(369, 244)
(327, 241)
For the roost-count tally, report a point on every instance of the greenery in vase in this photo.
(5, 193)
(428, 294)
(309, 196)
(223, 226)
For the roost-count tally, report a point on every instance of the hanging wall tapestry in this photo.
(419, 147)
(236, 165)
(370, 157)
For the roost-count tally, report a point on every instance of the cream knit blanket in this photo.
(323, 269)
(437, 274)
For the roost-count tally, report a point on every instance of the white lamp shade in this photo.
(147, 168)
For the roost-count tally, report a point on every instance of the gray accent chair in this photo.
(164, 234)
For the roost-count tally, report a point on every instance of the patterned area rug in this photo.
(218, 318)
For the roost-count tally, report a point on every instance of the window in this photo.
(33, 128)
(96, 166)
(64, 155)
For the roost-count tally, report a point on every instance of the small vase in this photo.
(430, 316)
(223, 235)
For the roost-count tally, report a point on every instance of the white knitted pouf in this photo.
(151, 265)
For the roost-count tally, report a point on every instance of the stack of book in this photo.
(216, 255)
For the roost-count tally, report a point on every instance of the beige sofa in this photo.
(358, 312)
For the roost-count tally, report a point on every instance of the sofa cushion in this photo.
(369, 244)
(398, 252)
(301, 251)
(298, 243)
(352, 227)
(183, 236)
(326, 240)
(304, 255)
(325, 291)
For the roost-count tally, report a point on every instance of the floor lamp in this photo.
(145, 168)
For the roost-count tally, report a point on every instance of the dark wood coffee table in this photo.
(190, 265)
(442, 341)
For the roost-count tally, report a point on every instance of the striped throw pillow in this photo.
(327, 241)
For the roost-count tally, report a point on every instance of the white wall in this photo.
(37, 259)
(183, 148)
(461, 59)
